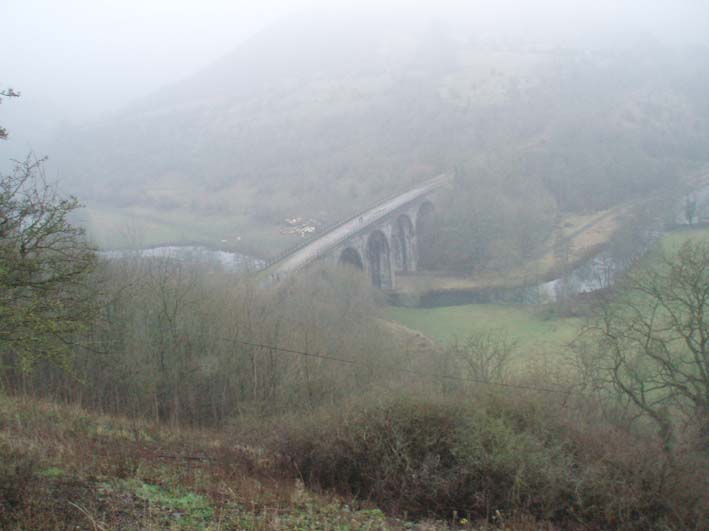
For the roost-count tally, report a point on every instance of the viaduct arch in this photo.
(350, 257)
(391, 238)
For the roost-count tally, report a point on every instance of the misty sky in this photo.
(74, 59)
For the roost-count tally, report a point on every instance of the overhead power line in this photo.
(379, 366)
(414, 372)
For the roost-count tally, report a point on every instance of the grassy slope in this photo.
(63, 468)
(535, 336)
(522, 323)
(672, 241)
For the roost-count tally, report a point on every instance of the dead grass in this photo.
(64, 468)
(69, 469)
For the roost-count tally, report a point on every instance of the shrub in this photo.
(422, 457)
(485, 457)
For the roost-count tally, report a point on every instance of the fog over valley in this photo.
(308, 264)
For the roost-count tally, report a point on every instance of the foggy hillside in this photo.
(307, 265)
(310, 118)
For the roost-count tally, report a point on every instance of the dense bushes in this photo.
(177, 342)
(487, 456)
(169, 346)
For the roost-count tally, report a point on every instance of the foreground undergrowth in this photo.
(63, 468)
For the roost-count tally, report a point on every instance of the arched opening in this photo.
(379, 260)
(403, 244)
(425, 232)
(351, 258)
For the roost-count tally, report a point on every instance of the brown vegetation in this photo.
(485, 456)
(223, 395)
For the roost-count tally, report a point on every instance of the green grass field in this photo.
(536, 337)
(62, 467)
(672, 242)
(528, 326)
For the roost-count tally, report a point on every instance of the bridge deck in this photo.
(326, 241)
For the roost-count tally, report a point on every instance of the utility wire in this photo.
(389, 367)
(274, 348)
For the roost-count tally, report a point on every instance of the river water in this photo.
(229, 261)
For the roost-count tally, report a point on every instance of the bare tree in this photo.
(485, 356)
(649, 342)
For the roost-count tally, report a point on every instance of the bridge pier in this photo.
(404, 244)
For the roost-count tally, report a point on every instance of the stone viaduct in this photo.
(382, 241)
